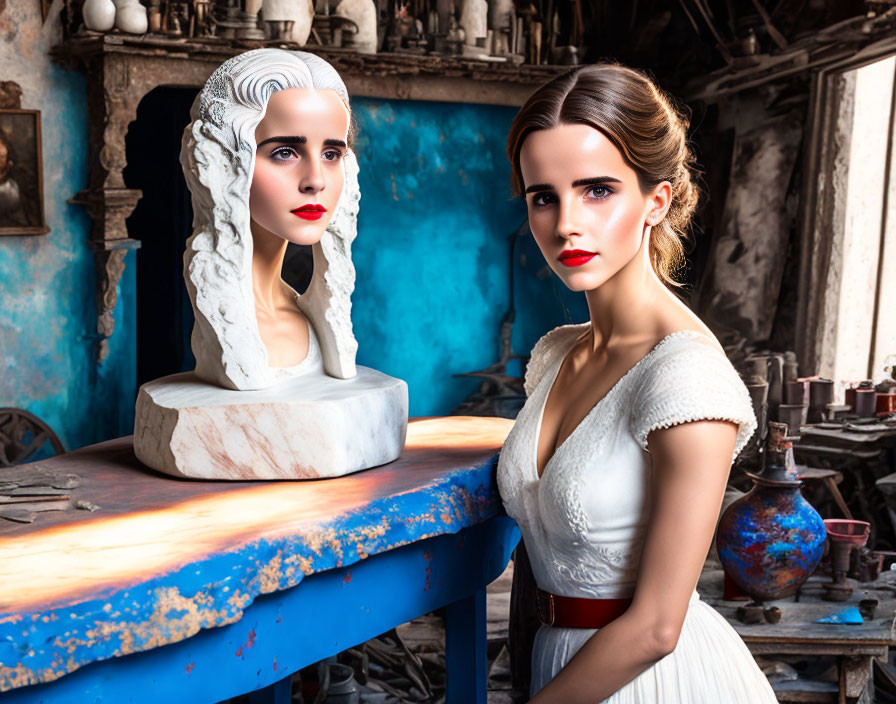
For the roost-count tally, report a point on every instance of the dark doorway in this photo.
(162, 221)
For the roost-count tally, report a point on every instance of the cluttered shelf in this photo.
(184, 61)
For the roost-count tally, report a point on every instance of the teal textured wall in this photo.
(47, 317)
(433, 253)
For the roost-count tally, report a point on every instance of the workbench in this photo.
(194, 592)
(861, 454)
(854, 646)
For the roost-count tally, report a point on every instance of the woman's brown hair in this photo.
(642, 122)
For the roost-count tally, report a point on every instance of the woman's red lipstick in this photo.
(575, 257)
(310, 212)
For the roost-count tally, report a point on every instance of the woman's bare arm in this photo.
(690, 469)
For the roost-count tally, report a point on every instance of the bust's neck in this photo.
(268, 251)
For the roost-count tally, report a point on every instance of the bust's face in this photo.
(298, 175)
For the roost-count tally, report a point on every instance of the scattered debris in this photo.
(848, 615)
(755, 612)
(32, 489)
(67, 481)
(32, 498)
(17, 515)
(35, 491)
(86, 506)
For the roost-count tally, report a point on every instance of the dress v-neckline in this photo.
(550, 386)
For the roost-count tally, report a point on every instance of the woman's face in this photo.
(586, 209)
(298, 173)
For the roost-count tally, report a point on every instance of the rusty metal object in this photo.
(867, 607)
(772, 614)
(386, 664)
(750, 613)
(844, 536)
(755, 613)
(32, 499)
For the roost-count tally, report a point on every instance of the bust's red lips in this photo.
(575, 257)
(313, 211)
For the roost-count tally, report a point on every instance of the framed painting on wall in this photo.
(21, 177)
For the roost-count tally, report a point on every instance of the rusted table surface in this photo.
(164, 558)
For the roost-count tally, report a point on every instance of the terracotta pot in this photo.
(886, 404)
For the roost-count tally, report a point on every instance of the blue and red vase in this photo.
(771, 540)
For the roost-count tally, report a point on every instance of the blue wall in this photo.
(47, 316)
(432, 256)
(433, 253)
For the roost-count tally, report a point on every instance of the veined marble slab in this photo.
(308, 427)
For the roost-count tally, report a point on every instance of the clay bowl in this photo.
(845, 531)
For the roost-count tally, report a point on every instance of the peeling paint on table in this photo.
(164, 559)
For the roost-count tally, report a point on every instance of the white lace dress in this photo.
(584, 521)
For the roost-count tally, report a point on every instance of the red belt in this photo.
(575, 612)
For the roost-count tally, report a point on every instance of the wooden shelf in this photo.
(397, 76)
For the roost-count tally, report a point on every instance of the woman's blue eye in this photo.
(598, 191)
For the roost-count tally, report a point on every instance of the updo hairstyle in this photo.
(642, 122)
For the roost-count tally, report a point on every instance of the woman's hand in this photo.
(690, 466)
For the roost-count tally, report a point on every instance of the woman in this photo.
(267, 160)
(616, 466)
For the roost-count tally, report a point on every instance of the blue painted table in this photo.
(184, 591)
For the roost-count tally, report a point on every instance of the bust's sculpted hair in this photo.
(218, 157)
(642, 122)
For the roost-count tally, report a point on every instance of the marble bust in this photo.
(276, 392)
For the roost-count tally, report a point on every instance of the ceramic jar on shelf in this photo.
(289, 20)
(99, 15)
(130, 17)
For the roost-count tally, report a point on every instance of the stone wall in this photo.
(47, 317)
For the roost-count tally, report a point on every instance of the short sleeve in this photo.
(687, 382)
(551, 348)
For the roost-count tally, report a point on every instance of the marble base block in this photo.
(303, 428)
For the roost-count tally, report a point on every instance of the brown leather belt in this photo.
(575, 612)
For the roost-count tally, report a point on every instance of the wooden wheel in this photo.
(22, 434)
